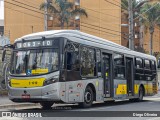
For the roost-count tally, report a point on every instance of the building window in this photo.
(77, 2)
(87, 62)
(119, 67)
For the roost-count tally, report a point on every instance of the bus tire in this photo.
(88, 98)
(140, 97)
(46, 105)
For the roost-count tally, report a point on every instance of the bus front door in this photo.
(129, 76)
(107, 74)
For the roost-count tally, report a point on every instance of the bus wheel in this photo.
(88, 98)
(46, 105)
(140, 97)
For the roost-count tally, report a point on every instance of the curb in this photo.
(16, 105)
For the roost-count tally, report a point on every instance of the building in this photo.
(1, 17)
(156, 40)
(125, 33)
(1, 27)
(141, 36)
(22, 17)
(104, 18)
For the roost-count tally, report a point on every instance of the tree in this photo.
(150, 18)
(63, 10)
(137, 5)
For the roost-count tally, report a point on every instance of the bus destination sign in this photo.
(34, 44)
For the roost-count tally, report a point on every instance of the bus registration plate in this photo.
(25, 96)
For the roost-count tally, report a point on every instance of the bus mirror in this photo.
(3, 55)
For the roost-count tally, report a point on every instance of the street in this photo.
(149, 104)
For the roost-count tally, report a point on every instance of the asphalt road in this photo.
(149, 104)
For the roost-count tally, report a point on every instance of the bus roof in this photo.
(82, 34)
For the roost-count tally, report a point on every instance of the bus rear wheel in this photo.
(88, 98)
(140, 97)
(46, 105)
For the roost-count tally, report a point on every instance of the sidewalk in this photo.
(5, 103)
(5, 100)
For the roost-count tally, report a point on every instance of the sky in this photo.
(1, 9)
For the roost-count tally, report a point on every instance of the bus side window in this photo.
(72, 57)
(72, 61)
(147, 70)
(119, 67)
(139, 73)
(98, 61)
(88, 62)
(153, 66)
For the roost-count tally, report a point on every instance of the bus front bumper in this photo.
(36, 94)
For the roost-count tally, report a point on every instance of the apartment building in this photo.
(141, 36)
(22, 17)
(104, 18)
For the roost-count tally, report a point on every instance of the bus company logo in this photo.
(6, 114)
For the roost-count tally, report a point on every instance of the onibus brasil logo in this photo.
(16, 114)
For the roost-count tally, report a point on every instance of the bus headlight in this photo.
(50, 81)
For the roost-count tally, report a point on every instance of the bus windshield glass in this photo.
(35, 62)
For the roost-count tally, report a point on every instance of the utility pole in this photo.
(131, 25)
(45, 16)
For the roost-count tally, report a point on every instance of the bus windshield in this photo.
(33, 62)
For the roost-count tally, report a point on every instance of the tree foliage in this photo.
(63, 10)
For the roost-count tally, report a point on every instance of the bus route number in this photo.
(34, 44)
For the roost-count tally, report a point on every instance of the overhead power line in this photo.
(102, 33)
(103, 28)
(42, 18)
(90, 27)
(98, 27)
(26, 4)
(23, 7)
(32, 3)
(112, 3)
(103, 21)
(147, 10)
(101, 12)
(25, 13)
